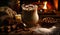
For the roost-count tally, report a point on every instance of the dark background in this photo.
(4, 2)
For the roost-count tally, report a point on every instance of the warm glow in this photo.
(18, 3)
(18, 16)
(45, 5)
(56, 4)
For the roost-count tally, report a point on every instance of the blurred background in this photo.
(11, 17)
(16, 4)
